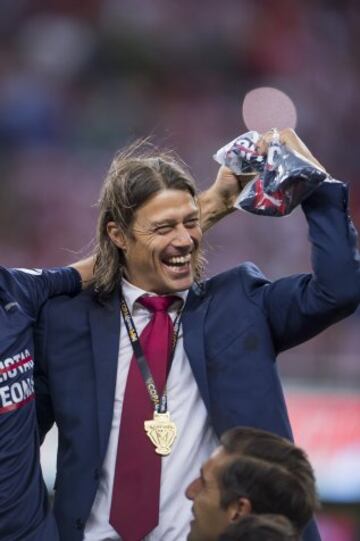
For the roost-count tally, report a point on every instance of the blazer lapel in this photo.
(105, 333)
(193, 320)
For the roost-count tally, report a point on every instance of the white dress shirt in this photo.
(194, 443)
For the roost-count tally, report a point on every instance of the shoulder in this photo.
(233, 287)
(246, 276)
(67, 305)
(63, 319)
(64, 309)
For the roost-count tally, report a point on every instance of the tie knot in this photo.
(158, 304)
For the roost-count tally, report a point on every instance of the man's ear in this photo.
(239, 508)
(116, 235)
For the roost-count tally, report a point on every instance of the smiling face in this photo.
(162, 247)
(210, 519)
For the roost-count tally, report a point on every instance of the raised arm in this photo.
(299, 307)
(85, 268)
(218, 201)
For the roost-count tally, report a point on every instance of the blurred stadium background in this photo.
(78, 80)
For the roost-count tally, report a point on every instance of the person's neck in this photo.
(141, 291)
(133, 284)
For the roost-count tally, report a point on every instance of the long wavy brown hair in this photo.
(135, 175)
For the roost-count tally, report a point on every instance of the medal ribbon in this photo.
(160, 402)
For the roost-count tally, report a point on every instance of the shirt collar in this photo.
(132, 293)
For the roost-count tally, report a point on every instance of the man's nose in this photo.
(182, 237)
(192, 489)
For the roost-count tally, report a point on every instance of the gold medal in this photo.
(162, 432)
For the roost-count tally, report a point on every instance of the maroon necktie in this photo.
(134, 508)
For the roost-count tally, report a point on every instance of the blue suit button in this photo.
(79, 524)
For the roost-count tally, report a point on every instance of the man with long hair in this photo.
(146, 369)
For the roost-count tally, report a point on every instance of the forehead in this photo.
(167, 205)
(217, 461)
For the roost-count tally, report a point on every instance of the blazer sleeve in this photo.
(44, 406)
(299, 307)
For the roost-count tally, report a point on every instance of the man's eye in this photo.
(192, 223)
(163, 229)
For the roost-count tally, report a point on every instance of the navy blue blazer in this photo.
(234, 326)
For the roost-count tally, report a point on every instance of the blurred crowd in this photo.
(78, 80)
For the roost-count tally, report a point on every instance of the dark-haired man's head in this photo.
(252, 471)
(260, 528)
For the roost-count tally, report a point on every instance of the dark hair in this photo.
(260, 528)
(135, 175)
(274, 474)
